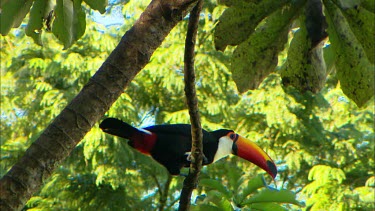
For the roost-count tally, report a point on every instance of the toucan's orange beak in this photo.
(248, 150)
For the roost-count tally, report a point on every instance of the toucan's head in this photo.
(232, 143)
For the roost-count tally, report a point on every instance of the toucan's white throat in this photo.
(224, 149)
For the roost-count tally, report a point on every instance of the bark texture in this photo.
(191, 181)
(70, 126)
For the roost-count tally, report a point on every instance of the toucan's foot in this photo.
(188, 158)
(204, 162)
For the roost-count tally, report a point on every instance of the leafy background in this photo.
(323, 143)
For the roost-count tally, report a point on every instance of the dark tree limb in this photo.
(70, 126)
(191, 181)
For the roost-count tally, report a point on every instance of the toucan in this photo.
(170, 145)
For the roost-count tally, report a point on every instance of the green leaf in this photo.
(279, 196)
(338, 175)
(34, 201)
(329, 57)
(361, 22)
(97, 5)
(251, 186)
(354, 70)
(369, 5)
(215, 185)
(233, 174)
(38, 13)
(238, 22)
(366, 194)
(370, 182)
(12, 14)
(3, 2)
(325, 174)
(348, 4)
(70, 21)
(255, 58)
(293, 160)
(205, 207)
(231, 28)
(267, 207)
(319, 172)
(305, 67)
(221, 202)
(230, 3)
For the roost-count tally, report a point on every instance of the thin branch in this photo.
(172, 203)
(126, 60)
(157, 184)
(191, 181)
(164, 196)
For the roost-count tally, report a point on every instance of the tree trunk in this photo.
(70, 126)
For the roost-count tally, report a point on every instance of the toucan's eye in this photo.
(232, 136)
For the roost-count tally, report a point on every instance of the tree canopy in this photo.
(321, 140)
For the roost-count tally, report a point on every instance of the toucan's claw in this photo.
(188, 158)
(204, 162)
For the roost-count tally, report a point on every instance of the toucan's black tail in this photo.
(118, 128)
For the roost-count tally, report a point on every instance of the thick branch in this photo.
(63, 134)
(191, 181)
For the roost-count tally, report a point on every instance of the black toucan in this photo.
(170, 145)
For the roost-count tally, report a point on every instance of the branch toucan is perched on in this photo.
(170, 145)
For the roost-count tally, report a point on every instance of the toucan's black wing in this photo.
(170, 135)
(180, 129)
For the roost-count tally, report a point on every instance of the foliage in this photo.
(322, 143)
(69, 18)
(352, 59)
(237, 194)
(259, 29)
(326, 182)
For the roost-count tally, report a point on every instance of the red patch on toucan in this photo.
(144, 142)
